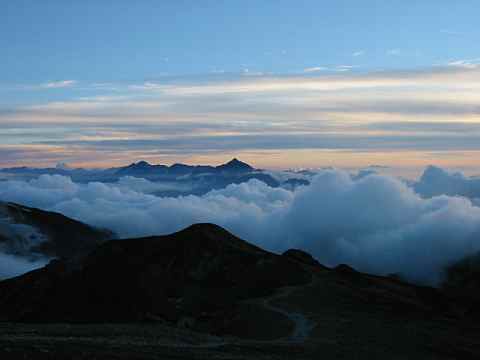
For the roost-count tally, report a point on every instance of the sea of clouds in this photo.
(375, 223)
(12, 265)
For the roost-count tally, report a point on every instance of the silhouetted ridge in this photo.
(209, 280)
(218, 235)
(302, 256)
(140, 167)
(236, 166)
(202, 269)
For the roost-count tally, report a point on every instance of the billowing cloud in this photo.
(437, 181)
(373, 222)
(147, 187)
(11, 265)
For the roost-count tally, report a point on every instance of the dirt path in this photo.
(301, 331)
(302, 325)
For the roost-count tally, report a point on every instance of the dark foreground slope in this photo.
(203, 293)
(196, 276)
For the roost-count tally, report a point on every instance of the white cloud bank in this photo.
(375, 223)
(437, 181)
(11, 265)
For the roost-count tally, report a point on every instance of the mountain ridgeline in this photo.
(205, 280)
(202, 273)
(233, 167)
(179, 179)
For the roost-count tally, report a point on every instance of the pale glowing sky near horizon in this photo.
(304, 84)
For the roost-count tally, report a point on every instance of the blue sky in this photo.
(130, 41)
(97, 54)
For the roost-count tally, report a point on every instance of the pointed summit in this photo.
(140, 167)
(235, 165)
(141, 164)
(112, 272)
(235, 161)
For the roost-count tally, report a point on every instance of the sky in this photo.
(278, 83)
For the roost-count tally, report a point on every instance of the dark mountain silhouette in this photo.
(200, 179)
(26, 231)
(192, 179)
(208, 281)
(144, 168)
(235, 166)
(141, 167)
(463, 283)
(202, 271)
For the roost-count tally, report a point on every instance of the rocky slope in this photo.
(204, 293)
(197, 276)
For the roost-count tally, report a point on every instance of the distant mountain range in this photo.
(198, 179)
(234, 166)
(143, 168)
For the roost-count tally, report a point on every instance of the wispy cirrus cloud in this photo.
(58, 84)
(394, 52)
(451, 32)
(326, 112)
(465, 63)
(315, 69)
(358, 53)
(342, 68)
(336, 68)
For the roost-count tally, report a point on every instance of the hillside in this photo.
(203, 293)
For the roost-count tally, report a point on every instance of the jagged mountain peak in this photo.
(140, 164)
(235, 165)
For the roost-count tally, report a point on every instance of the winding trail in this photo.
(301, 331)
(302, 325)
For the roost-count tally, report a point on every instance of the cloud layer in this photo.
(373, 222)
(11, 265)
(342, 112)
(437, 181)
